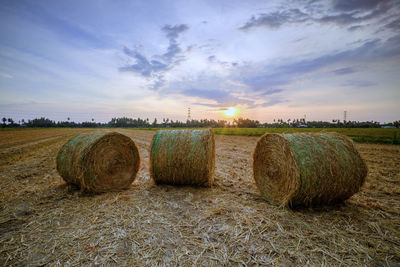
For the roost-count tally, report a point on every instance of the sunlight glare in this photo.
(230, 112)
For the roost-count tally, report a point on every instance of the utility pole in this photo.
(345, 116)
(189, 118)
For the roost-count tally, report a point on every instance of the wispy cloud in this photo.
(304, 54)
(276, 19)
(343, 13)
(286, 73)
(157, 65)
(344, 71)
(360, 5)
(6, 75)
(357, 83)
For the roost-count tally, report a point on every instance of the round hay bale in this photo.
(307, 169)
(99, 162)
(183, 157)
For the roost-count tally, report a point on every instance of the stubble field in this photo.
(45, 222)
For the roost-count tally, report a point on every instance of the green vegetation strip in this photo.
(363, 135)
(372, 135)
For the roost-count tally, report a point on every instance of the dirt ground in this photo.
(45, 222)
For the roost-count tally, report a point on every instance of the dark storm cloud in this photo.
(156, 66)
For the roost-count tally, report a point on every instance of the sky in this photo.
(154, 59)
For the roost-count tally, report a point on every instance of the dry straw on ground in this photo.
(44, 222)
(99, 162)
(307, 169)
(183, 157)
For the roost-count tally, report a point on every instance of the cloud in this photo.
(158, 64)
(223, 91)
(211, 58)
(265, 84)
(344, 71)
(354, 83)
(272, 102)
(275, 20)
(261, 85)
(394, 25)
(226, 98)
(354, 16)
(217, 95)
(285, 74)
(174, 31)
(344, 13)
(214, 59)
(355, 27)
(142, 65)
(6, 75)
(271, 92)
(351, 5)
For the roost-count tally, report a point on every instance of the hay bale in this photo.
(307, 169)
(183, 157)
(99, 162)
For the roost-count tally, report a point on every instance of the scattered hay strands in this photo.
(150, 225)
(307, 169)
(99, 162)
(183, 157)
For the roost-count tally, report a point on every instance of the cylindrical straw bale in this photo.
(307, 169)
(183, 157)
(99, 162)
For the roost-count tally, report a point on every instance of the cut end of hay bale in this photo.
(275, 169)
(183, 157)
(307, 169)
(99, 162)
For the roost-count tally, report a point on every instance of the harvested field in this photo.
(45, 222)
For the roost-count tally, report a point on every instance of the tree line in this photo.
(166, 123)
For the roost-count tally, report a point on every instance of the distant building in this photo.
(302, 126)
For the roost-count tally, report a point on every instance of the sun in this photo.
(230, 112)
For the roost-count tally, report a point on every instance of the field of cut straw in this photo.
(45, 222)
